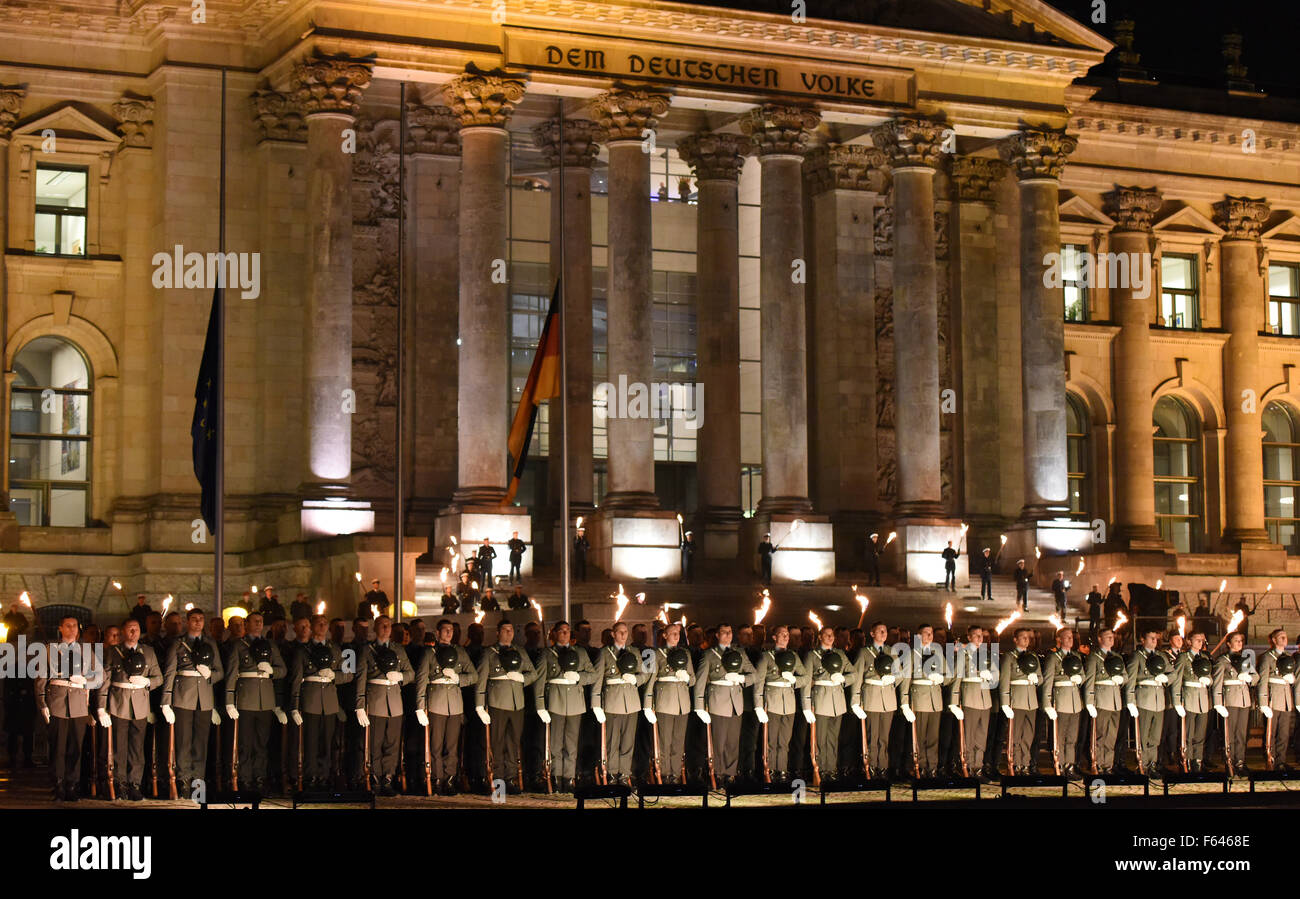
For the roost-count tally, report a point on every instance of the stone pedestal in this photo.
(635, 544)
(469, 524)
(332, 517)
(916, 555)
(1052, 537)
(1263, 559)
(804, 554)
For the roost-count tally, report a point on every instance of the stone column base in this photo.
(335, 516)
(917, 554)
(804, 554)
(635, 545)
(1052, 537)
(470, 524)
(8, 531)
(718, 531)
(1263, 559)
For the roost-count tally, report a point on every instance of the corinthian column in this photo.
(717, 159)
(1243, 317)
(627, 114)
(779, 134)
(1038, 156)
(483, 101)
(11, 103)
(1133, 208)
(328, 90)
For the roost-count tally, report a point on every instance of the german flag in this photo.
(543, 384)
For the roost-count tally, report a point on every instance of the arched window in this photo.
(1178, 474)
(1076, 445)
(1281, 475)
(49, 435)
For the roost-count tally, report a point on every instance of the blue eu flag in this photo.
(207, 399)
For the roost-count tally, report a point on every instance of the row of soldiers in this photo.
(619, 712)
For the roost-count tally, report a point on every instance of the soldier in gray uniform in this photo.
(777, 676)
(878, 697)
(254, 664)
(123, 707)
(503, 672)
(720, 681)
(1277, 698)
(1193, 677)
(1144, 695)
(972, 697)
(1018, 681)
(1103, 696)
(829, 673)
(615, 699)
(63, 699)
(317, 672)
(193, 666)
(1062, 699)
(382, 668)
(922, 690)
(668, 701)
(1233, 676)
(445, 670)
(562, 673)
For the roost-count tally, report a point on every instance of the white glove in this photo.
(809, 716)
(599, 713)
(297, 718)
(1132, 710)
(203, 670)
(450, 674)
(422, 717)
(957, 712)
(232, 713)
(394, 677)
(77, 680)
(1222, 710)
(1033, 678)
(1076, 678)
(837, 679)
(483, 714)
(1051, 714)
(986, 674)
(327, 673)
(265, 667)
(280, 715)
(886, 680)
(1289, 678)
(517, 676)
(1180, 710)
(936, 680)
(788, 675)
(216, 717)
(652, 718)
(1009, 712)
(1268, 712)
(909, 714)
(544, 715)
(149, 718)
(1206, 681)
(1117, 681)
(1092, 710)
(684, 676)
(139, 680)
(104, 720)
(362, 718)
(704, 716)
(571, 677)
(761, 715)
(857, 710)
(631, 679)
(46, 714)
(1162, 679)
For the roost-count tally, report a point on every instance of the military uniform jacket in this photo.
(712, 692)
(820, 694)
(1189, 692)
(57, 693)
(183, 686)
(874, 694)
(248, 688)
(1098, 689)
(1059, 692)
(374, 692)
(1014, 687)
(607, 692)
(924, 691)
(1232, 690)
(562, 698)
(665, 694)
(309, 692)
(1141, 688)
(432, 691)
(1274, 692)
(497, 691)
(118, 696)
(969, 689)
(774, 692)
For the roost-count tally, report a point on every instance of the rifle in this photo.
(961, 743)
(708, 736)
(656, 772)
(153, 769)
(767, 770)
(812, 745)
(546, 759)
(1268, 740)
(916, 753)
(171, 760)
(108, 760)
(301, 778)
(1056, 755)
(866, 759)
(234, 755)
(603, 774)
(428, 765)
(94, 756)
(1137, 746)
(365, 740)
(487, 755)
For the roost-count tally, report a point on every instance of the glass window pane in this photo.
(72, 237)
(61, 187)
(1284, 280)
(46, 231)
(25, 503)
(67, 508)
(1177, 272)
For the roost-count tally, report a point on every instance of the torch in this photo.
(1055, 621)
(537, 606)
(1182, 625)
(1006, 622)
(620, 598)
(320, 607)
(893, 535)
(681, 533)
(815, 620)
(794, 526)
(947, 615)
(761, 612)
(4, 632)
(25, 599)
(1078, 571)
(166, 603)
(863, 602)
(961, 541)
(997, 555)
(1233, 623)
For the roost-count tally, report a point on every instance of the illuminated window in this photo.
(1179, 297)
(1076, 443)
(60, 210)
(1076, 289)
(1281, 477)
(1177, 474)
(1284, 300)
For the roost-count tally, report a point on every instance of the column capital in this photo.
(481, 98)
(1038, 152)
(276, 116)
(779, 130)
(136, 117)
(331, 84)
(974, 177)
(1241, 217)
(432, 130)
(841, 167)
(910, 141)
(582, 140)
(1132, 208)
(627, 112)
(715, 157)
(11, 104)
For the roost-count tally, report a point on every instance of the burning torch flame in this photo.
(662, 616)
(640, 599)
(25, 599)
(679, 518)
(320, 607)
(538, 606)
(1112, 580)
(579, 524)
(683, 622)
(1235, 621)
(453, 541)
(358, 577)
(167, 602)
(890, 538)
(861, 599)
(1182, 625)
(374, 611)
(947, 615)
(1004, 539)
(1055, 621)
(1120, 620)
(117, 585)
(1268, 589)
(815, 620)
(621, 599)
(443, 577)
(1223, 585)
(190, 605)
(478, 616)
(1006, 622)
(761, 612)
(4, 632)
(1078, 571)
(253, 589)
(1159, 581)
(473, 585)
(1037, 553)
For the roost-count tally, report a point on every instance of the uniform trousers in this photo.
(128, 750)
(878, 726)
(1196, 725)
(65, 736)
(318, 745)
(927, 739)
(191, 742)
(1105, 733)
(620, 739)
(385, 736)
(254, 737)
(726, 744)
(976, 727)
(1020, 737)
(779, 730)
(565, 732)
(828, 744)
(1067, 737)
(1280, 728)
(1150, 727)
(507, 730)
(1236, 729)
(444, 745)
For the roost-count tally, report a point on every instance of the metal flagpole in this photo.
(219, 517)
(399, 487)
(565, 547)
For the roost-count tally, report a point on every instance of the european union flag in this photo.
(207, 399)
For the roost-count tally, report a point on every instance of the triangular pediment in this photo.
(1186, 220)
(1286, 229)
(69, 123)
(1077, 210)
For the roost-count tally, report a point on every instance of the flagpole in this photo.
(399, 501)
(565, 548)
(219, 517)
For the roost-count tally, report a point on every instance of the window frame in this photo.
(1193, 294)
(1273, 523)
(1083, 478)
(1193, 483)
(61, 212)
(1085, 299)
(1279, 300)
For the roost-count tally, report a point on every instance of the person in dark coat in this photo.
(580, 547)
(873, 560)
(984, 565)
(765, 550)
(517, 549)
(688, 557)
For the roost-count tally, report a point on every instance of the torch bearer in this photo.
(794, 526)
(863, 602)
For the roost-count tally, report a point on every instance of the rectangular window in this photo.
(1179, 297)
(1284, 299)
(1076, 289)
(60, 210)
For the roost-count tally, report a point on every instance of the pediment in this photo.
(1077, 211)
(1186, 220)
(1287, 229)
(69, 123)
